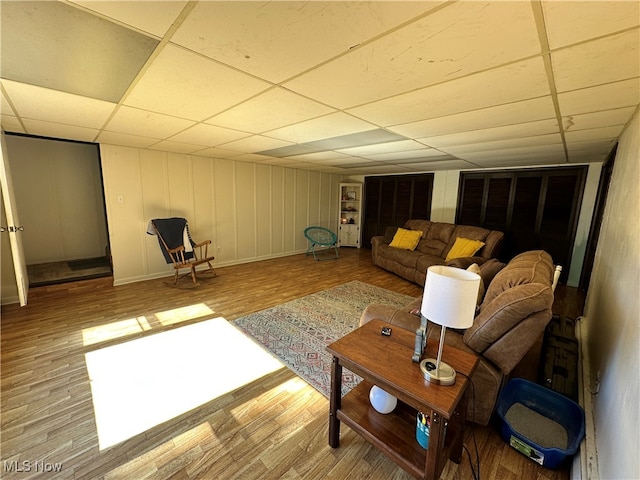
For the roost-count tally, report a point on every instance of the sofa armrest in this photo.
(392, 315)
(465, 262)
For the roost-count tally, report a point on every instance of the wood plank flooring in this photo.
(275, 427)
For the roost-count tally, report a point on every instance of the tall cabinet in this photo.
(350, 221)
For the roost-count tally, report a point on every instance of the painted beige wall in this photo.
(59, 199)
(611, 327)
(250, 212)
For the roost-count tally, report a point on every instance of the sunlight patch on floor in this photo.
(141, 383)
(178, 315)
(110, 331)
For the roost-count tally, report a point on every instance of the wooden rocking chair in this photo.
(179, 249)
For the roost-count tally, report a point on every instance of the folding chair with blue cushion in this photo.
(321, 241)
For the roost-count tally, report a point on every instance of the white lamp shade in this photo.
(450, 296)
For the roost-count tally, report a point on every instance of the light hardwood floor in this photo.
(275, 427)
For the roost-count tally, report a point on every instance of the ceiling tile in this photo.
(508, 114)
(388, 147)
(207, 135)
(467, 151)
(277, 40)
(619, 116)
(594, 134)
(176, 147)
(459, 40)
(454, 164)
(217, 152)
(604, 97)
(265, 112)
(144, 123)
(512, 83)
(55, 130)
(494, 134)
(587, 19)
(406, 155)
(601, 61)
(187, 85)
(153, 17)
(57, 107)
(42, 42)
(254, 144)
(335, 124)
(126, 140)
(11, 124)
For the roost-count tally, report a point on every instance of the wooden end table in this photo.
(386, 362)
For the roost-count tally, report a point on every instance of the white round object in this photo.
(382, 401)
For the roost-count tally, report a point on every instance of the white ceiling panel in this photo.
(333, 125)
(424, 152)
(208, 135)
(39, 103)
(508, 114)
(11, 123)
(126, 140)
(255, 143)
(187, 85)
(55, 130)
(154, 17)
(512, 83)
(176, 147)
(217, 152)
(601, 61)
(277, 40)
(266, 112)
(494, 134)
(619, 116)
(425, 53)
(456, 164)
(587, 19)
(380, 148)
(480, 150)
(143, 123)
(607, 133)
(600, 98)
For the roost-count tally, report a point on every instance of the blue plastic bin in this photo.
(551, 405)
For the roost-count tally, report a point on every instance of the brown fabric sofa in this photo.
(507, 330)
(437, 239)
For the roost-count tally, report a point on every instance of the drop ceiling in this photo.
(340, 86)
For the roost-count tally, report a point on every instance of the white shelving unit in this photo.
(350, 221)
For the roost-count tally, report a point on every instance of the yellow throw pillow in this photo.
(406, 239)
(464, 247)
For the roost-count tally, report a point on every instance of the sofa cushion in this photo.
(416, 224)
(389, 233)
(437, 239)
(504, 313)
(406, 239)
(464, 247)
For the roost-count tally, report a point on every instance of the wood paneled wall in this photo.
(250, 212)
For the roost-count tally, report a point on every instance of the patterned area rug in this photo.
(297, 332)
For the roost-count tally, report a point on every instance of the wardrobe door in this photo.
(392, 200)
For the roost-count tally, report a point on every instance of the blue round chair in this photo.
(321, 241)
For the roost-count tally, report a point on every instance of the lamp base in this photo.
(445, 375)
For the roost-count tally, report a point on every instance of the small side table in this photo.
(386, 362)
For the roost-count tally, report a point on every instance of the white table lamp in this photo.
(449, 300)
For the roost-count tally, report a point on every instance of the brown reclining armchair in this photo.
(507, 332)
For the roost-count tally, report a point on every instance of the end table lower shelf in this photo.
(388, 432)
(386, 362)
